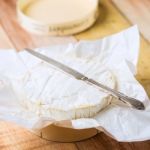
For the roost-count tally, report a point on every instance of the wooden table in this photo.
(111, 20)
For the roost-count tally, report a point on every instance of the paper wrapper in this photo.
(119, 53)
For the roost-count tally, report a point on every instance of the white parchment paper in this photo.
(118, 52)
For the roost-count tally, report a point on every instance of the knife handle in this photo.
(122, 97)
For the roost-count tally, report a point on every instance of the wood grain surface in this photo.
(138, 12)
(13, 137)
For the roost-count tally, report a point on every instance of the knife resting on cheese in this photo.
(134, 103)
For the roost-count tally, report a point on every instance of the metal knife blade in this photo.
(79, 76)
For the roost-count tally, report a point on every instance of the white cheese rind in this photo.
(50, 93)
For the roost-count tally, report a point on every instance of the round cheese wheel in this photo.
(57, 17)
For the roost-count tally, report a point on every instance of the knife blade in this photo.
(79, 76)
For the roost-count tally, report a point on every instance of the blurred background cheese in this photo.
(57, 17)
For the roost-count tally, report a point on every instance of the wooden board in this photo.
(4, 41)
(138, 12)
(13, 137)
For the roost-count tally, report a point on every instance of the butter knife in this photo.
(134, 103)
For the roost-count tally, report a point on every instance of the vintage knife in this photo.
(79, 76)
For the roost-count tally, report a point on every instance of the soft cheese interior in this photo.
(54, 94)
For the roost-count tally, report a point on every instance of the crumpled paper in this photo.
(118, 52)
